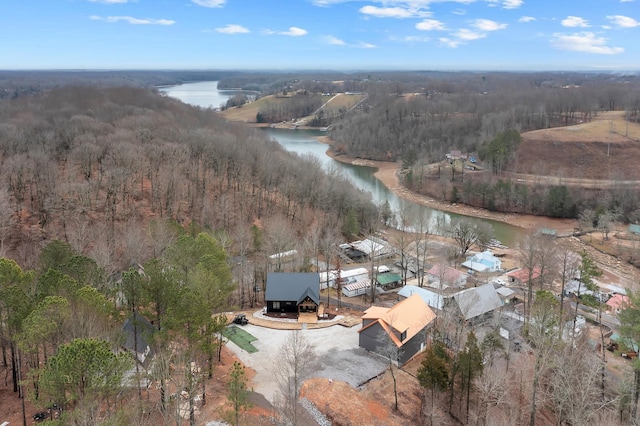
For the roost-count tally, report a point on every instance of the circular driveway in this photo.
(339, 356)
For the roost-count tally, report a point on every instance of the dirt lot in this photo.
(605, 148)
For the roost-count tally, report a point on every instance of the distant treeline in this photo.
(19, 83)
(406, 120)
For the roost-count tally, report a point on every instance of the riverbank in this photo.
(387, 173)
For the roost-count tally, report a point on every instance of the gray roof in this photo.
(293, 286)
(137, 333)
(476, 301)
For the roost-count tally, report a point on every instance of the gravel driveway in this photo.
(339, 356)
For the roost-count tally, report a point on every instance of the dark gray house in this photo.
(138, 332)
(293, 292)
(399, 332)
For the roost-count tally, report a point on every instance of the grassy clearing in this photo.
(240, 338)
(247, 113)
(605, 127)
(343, 101)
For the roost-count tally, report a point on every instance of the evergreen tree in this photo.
(238, 394)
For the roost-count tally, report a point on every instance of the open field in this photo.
(606, 148)
(341, 100)
(247, 112)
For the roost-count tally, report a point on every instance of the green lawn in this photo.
(240, 338)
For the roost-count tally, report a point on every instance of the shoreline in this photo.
(387, 173)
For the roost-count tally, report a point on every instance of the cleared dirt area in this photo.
(606, 148)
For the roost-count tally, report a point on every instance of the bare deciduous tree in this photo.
(295, 363)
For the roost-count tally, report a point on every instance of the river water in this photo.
(206, 94)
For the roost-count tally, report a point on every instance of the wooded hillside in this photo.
(94, 166)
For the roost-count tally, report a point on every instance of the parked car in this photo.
(240, 319)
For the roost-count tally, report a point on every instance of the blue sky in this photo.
(321, 34)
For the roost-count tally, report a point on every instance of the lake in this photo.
(206, 94)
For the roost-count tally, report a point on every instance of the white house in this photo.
(483, 262)
(347, 276)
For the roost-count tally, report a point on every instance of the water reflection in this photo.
(303, 142)
(206, 94)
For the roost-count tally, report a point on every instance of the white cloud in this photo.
(291, 32)
(132, 20)
(386, 12)
(488, 25)
(413, 39)
(365, 45)
(526, 19)
(430, 25)
(449, 42)
(334, 40)
(512, 4)
(465, 34)
(294, 32)
(232, 29)
(623, 21)
(109, 1)
(584, 42)
(209, 3)
(574, 21)
(459, 12)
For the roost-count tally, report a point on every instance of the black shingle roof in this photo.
(294, 286)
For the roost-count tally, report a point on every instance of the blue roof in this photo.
(431, 298)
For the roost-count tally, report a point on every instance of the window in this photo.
(403, 336)
(276, 305)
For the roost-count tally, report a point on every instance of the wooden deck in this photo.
(308, 318)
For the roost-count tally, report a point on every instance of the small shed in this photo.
(634, 229)
(389, 279)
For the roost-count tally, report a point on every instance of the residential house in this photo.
(278, 260)
(293, 292)
(520, 276)
(138, 332)
(617, 303)
(475, 302)
(347, 276)
(359, 288)
(399, 332)
(431, 298)
(447, 275)
(483, 262)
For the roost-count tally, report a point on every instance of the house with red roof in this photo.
(617, 303)
(521, 276)
(446, 275)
